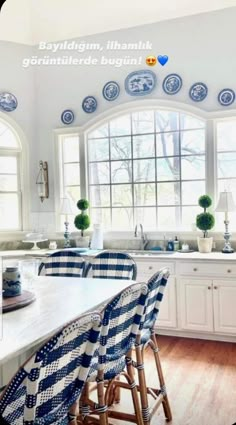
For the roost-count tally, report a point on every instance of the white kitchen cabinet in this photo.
(224, 302)
(167, 314)
(195, 302)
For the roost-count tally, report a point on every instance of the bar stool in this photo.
(121, 320)
(112, 265)
(63, 263)
(156, 286)
(49, 384)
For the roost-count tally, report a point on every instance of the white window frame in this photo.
(211, 119)
(22, 154)
(156, 157)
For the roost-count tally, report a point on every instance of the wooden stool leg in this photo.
(134, 391)
(165, 403)
(142, 384)
(114, 394)
(102, 408)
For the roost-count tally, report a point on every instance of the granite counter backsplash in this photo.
(124, 244)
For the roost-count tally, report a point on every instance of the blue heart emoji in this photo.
(162, 59)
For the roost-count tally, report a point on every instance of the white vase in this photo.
(204, 244)
(82, 241)
(97, 237)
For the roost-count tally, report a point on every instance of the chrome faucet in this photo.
(143, 235)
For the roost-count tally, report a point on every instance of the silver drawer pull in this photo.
(228, 271)
(195, 269)
(150, 267)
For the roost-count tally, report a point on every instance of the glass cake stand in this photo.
(34, 242)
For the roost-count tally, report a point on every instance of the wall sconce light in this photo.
(42, 180)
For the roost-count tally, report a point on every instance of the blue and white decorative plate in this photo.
(198, 92)
(140, 83)
(226, 97)
(67, 116)
(172, 84)
(8, 102)
(111, 90)
(89, 104)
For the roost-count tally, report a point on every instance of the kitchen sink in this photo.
(149, 253)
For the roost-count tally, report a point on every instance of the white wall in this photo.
(20, 82)
(200, 48)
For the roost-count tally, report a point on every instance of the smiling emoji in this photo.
(151, 60)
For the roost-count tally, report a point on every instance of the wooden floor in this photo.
(200, 379)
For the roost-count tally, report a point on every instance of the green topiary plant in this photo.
(82, 220)
(205, 221)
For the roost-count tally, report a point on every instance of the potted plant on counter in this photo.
(205, 221)
(82, 222)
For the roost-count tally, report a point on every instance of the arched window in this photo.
(10, 182)
(147, 167)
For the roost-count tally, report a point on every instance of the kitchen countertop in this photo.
(214, 256)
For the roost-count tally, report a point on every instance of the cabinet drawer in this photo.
(148, 268)
(207, 269)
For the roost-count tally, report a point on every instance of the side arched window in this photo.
(10, 182)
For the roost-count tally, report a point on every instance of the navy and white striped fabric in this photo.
(50, 382)
(156, 286)
(63, 263)
(121, 320)
(112, 265)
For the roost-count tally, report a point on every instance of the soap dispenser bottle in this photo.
(170, 245)
(176, 244)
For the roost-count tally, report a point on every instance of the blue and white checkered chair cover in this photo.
(121, 320)
(112, 265)
(50, 382)
(156, 286)
(63, 263)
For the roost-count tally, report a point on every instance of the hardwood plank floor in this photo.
(200, 378)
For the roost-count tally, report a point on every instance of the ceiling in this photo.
(32, 21)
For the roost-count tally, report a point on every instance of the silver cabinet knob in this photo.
(215, 287)
(195, 269)
(229, 271)
(150, 267)
(209, 287)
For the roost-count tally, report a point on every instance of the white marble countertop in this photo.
(58, 301)
(214, 256)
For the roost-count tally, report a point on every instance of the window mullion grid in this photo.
(155, 155)
(180, 174)
(132, 170)
(211, 160)
(180, 133)
(63, 168)
(110, 182)
(19, 192)
(82, 146)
